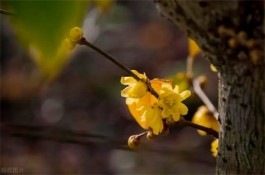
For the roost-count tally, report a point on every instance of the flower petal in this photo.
(183, 110)
(125, 92)
(128, 80)
(185, 94)
(176, 89)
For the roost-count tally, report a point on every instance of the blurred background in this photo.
(79, 123)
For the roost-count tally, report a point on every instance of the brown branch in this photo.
(77, 137)
(83, 41)
(6, 12)
(209, 131)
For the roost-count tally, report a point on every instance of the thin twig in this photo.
(86, 139)
(83, 41)
(209, 131)
(189, 64)
(198, 90)
(6, 12)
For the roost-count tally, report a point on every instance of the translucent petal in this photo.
(138, 90)
(124, 92)
(128, 80)
(152, 118)
(129, 101)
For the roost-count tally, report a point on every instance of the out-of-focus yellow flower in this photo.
(135, 89)
(104, 5)
(193, 48)
(213, 68)
(152, 118)
(205, 118)
(170, 100)
(214, 147)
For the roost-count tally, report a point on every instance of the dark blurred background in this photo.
(80, 123)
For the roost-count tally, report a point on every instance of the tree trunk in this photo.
(231, 34)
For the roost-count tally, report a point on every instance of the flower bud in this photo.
(76, 34)
(150, 135)
(134, 142)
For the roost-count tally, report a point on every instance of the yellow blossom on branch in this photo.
(214, 147)
(170, 100)
(141, 108)
(149, 111)
(205, 118)
(135, 89)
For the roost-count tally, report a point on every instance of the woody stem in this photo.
(83, 41)
(209, 131)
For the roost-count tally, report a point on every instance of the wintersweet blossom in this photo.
(135, 89)
(136, 105)
(205, 118)
(170, 100)
(214, 147)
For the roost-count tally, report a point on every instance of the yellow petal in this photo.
(185, 94)
(128, 80)
(205, 118)
(125, 91)
(133, 108)
(183, 110)
(138, 90)
(141, 76)
(129, 101)
(176, 89)
(152, 118)
(214, 147)
(193, 48)
(176, 116)
(213, 68)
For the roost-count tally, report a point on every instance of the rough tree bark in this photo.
(231, 34)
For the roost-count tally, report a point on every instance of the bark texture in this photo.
(231, 34)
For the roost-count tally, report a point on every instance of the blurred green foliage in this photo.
(43, 25)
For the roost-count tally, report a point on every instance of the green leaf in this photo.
(43, 24)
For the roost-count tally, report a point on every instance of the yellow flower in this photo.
(152, 118)
(135, 104)
(170, 100)
(214, 147)
(135, 89)
(205, 118)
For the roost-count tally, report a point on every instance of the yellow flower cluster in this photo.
(151, 112)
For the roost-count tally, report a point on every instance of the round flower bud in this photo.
(76, 34)
(134, 142)
(233, 42)
(150, 135)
